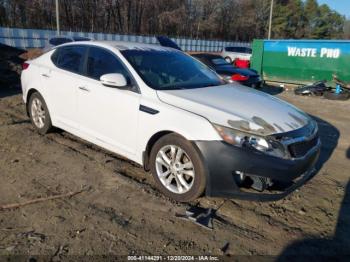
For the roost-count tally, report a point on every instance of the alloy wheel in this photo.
(175, 169)
(38, 113)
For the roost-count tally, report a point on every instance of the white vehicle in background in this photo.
(173, 115)
(231, 53)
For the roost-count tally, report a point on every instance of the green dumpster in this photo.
(301, 61)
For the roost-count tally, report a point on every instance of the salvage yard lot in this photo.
(120, 212)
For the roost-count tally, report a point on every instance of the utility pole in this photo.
(57, 18)
(270, 22)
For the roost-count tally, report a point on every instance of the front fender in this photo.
(172, 119)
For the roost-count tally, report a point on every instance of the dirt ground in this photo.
(120, 212)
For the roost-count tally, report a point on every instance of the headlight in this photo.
(227, 78)
(242, 139)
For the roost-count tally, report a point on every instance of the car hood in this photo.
(228, 69)
(238, 107)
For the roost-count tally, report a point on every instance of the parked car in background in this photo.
(165, 110)
(245, 76)
(231, 53)
(59, 40)
(225, 69)
(166, 41)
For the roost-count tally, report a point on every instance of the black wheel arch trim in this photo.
(29, 94)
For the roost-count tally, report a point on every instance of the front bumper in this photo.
(223, 160)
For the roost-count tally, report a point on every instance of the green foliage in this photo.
(347, 29)
(298, 19)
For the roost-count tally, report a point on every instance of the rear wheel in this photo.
(39, 114)
(177, 168)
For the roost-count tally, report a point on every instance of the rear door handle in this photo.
(45, 75)
(84, 88)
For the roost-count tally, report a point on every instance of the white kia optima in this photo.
(170, 113)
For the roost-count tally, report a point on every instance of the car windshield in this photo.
(167, 70)
(219, 61)
(239, 49)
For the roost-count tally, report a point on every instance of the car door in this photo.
(62, 81)
(108, 114)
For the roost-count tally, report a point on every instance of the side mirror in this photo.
(114, 80)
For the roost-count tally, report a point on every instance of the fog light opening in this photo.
(257, 183)
(239, 178)
(261, 183)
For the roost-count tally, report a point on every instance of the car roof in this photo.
(206, 55)
(237, 46)
(69, 37)
(123, 45)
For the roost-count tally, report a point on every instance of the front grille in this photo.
(300, 149)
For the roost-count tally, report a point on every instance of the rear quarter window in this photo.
(54, 56)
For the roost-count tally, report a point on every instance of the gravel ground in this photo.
(120, 212)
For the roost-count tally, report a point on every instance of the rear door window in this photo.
(70, 58)
(101, 62)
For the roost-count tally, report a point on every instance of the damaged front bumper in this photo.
(224, 160)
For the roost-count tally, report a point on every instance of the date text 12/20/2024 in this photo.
(173, 258)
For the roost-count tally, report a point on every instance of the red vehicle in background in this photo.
(240, 63)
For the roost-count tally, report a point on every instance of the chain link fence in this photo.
(36, 38)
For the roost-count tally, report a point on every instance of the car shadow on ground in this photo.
(7, 89)
(10, 68)
(336, 248)
(272, 90)
(329, 136)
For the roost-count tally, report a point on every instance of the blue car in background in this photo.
(245, 76)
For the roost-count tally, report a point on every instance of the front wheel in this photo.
(177, 168)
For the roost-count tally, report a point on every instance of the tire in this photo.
(256, 86)
(228, 59)
(192, 178)
(40, 118)
(344, 95)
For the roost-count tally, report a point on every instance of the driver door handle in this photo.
(84, 88)
(45, 75)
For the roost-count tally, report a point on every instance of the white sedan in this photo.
(172, 114)
(231, 53)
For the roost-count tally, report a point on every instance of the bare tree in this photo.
(241, 20)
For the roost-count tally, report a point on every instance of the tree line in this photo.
(237, 20)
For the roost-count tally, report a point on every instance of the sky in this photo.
(341, 6)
